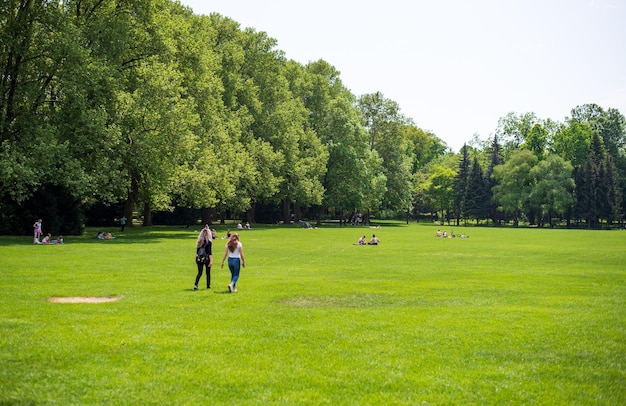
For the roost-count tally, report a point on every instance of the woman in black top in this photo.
(204, 257)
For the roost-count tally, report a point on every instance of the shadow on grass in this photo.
(212, 291)
(154, 234)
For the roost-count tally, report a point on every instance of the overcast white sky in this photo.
(455, 66)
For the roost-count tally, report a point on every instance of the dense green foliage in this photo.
(506, 316)
(574, 171)
(145, 105)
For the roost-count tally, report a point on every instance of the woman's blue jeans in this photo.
(234, 264)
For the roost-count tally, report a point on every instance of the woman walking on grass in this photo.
(204, 257)
(234, 252)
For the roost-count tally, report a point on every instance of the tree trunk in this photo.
(296, 212)
(129, 207)
(205, 213)
(147, 214)
(286, 211)
(250, 213)
(318, 216)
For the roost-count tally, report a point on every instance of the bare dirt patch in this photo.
(84, 299)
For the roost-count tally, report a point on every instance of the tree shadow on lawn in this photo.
(144, 235)
(155, 234)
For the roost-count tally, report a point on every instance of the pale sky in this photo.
(455, 66)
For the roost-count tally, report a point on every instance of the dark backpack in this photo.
(202, 255)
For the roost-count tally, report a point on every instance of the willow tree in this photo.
(553, 189)
(514, 183)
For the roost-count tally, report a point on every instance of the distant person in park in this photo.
(46, 239)
(59, 240)
(37, 231)
(374, 240)
(236, 260)
(123, 221)
(228, 233)
(204, 256)
(362, 241)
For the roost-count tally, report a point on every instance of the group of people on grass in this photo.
(373, 241)
(47, 239)
(204, 257)
(102, 235)
(444, 234)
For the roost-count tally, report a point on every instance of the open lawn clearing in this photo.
(517, 316)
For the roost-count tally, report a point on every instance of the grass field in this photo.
(507, 316)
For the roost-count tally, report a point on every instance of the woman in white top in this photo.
(37, 231)
(236, 260)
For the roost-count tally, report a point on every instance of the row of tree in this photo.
(537, 171)
(143, 105)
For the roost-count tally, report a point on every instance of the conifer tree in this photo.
(460, 184)
(476, 196)
(495, 160)
(597, 186)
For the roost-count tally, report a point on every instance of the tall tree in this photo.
(57, 97)
(611, 126)
(384, 123)
(495, 159)
(338, 123)
(514, 183)
(597, 187)
(537, 140)
(423, 146)
(513, 129)
(440, 187)
(476, 196)
(461, 183)
(553, 187)
(571, 142)
(283, 122)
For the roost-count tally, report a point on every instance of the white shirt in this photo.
(235, 254)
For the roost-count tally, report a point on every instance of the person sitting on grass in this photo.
(374, 240)
(105, 236)
(362, 241)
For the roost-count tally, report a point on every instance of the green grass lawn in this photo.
(507, 316)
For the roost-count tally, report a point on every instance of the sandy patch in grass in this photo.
(83, 299)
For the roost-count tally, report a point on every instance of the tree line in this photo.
(112, 107)
(536, 171)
